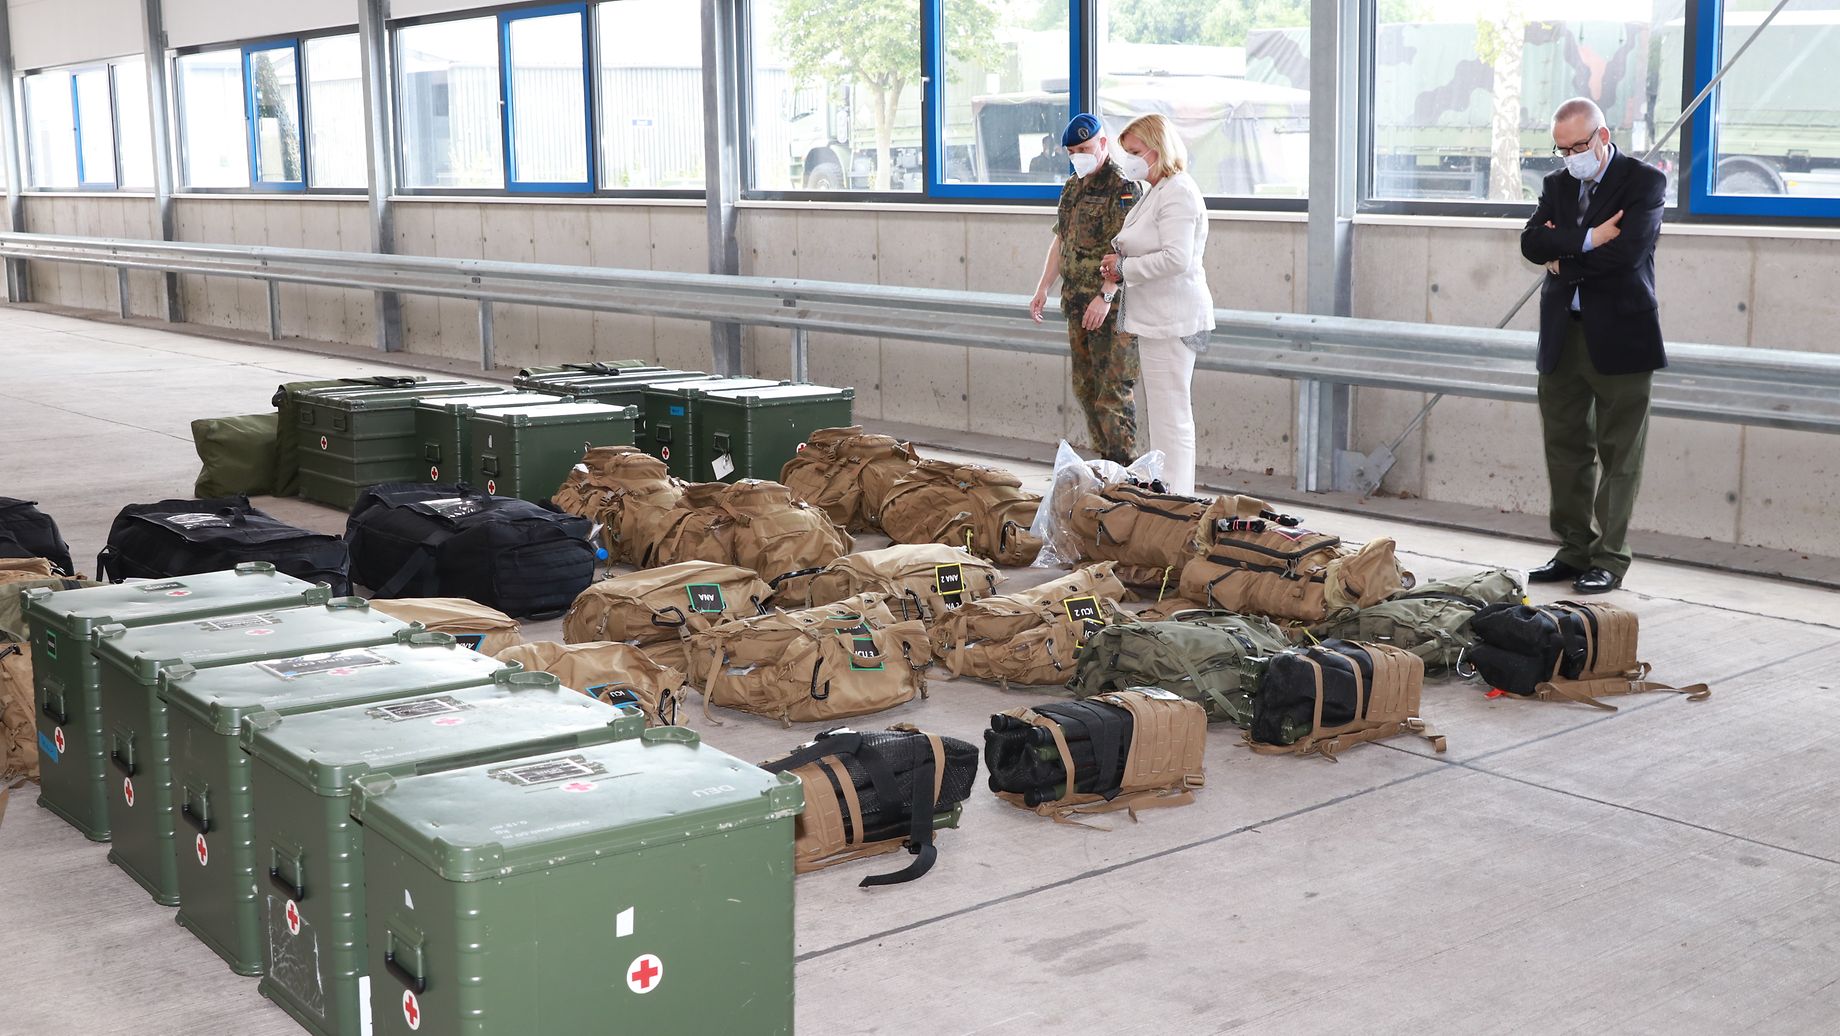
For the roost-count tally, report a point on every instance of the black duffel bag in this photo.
(1521, 646)
(421, 540)
(27, 532)
(1024, 760)
(189, 537)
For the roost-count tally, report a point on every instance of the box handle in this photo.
(57, 713)
(338, 420)
(415, 982)
(488, 465)
(431, 452)
(200, 816)
(123, 762)
(296, 889)
(661, 433)
(721, 443)
(676, 735)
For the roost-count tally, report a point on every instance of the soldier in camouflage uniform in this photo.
(1105, 367)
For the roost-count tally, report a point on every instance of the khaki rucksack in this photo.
(926, 581)
(657, 609)
(847, 472)
(1431, 620)
(1151, 535)
(1031, 636)
(20, 570)
(1326, 697)
(984, 510)
(1072, 758)
(1565, 651)
(18, 718)
(604, 487)
(618, 674)
(850, 658)
(1256, 566)
(485, 630)
(751, 523)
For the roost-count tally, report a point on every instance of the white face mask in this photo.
(1083, 163)
(1584, 166)
(1132, 166)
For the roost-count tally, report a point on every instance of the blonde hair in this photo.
(1155, 133)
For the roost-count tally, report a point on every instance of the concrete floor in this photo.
(1673, 867)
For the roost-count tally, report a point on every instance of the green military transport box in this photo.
(443, 434)
(304, 767)
(352, 438)
(288, 432)
(219, 871)
(638, 887)
(134, 721)
(528, 451)
(530, 377)
(752, 433)
(72, 753)
(626, 389)
(670, 418)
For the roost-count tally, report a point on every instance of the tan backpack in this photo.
(1262, 566)
(618, 674)
(657, 609)
(20, 570)
(485, 630)
(751, 523)
(1375, 689)
(605, 486)
(926, 581)
(1608, 664)
(1032, 636)
(18, 719)
(1083, 745)
(850, 658)
(985, 510)
(1151, 535)
(847, 472)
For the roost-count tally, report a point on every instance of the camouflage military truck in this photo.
(1435, 87)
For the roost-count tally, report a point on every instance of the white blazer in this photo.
(1162, 241)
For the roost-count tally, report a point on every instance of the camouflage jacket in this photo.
(1091, 213)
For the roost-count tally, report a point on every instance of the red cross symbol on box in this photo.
(178, 593)
(491, 486)
(259, 633)
(449, 721)
(412, 1011)
(324, 443)
(57, 738)
(293, 918)
(434, 474)
(578, 786)
(204, 852)
(127, 789)
(644, 974)
(664, 453)
(339, 672)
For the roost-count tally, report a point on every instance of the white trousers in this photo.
(1168, 373)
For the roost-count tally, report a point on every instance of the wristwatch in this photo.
(1108, 296)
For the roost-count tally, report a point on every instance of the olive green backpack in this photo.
(1211, 657)
(1430, 620)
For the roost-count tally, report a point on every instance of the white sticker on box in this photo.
(623, 924)
(723, 466)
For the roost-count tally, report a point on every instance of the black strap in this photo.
(920, 823)
(783, 576)
(105, 564)
(420, 560)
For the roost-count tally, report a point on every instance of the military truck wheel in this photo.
(1747, 176)
(825, 177)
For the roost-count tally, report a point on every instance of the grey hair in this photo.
(1580, 106)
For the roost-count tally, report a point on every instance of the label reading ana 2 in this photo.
(949, 580)
(239, 622)
(569, 768)
(307, 665)
(421, 708)
(705, 597)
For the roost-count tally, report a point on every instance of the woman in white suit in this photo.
(1166, 304)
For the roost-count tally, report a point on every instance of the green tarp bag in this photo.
(1207, 656)
(239, 455)
(1431, 620)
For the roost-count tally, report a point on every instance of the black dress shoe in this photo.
(1596, 581)
(1554, 571)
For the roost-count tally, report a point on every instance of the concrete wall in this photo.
(1730, 484)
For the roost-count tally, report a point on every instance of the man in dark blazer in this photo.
(1600, 341)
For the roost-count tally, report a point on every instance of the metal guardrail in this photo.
(1738, 385)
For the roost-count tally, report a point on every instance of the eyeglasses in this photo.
(1577, 149)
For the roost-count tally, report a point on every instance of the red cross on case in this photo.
(204, 852)
(293, 918)
(412, 1011)
(644, 974)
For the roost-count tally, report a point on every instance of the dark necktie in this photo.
(1585, 187)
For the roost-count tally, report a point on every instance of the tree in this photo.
(1224, 23)
(874, 45)
(271, 104)
(1500, 42)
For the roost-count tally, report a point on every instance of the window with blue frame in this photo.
(93, 98)
(1767, 142)
(497, 102)
(1010, 83)
(51, 131)
(272, 72)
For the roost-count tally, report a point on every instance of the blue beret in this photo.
(1083, 128)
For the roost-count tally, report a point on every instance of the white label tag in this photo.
(364, 1005)
(723, 466)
